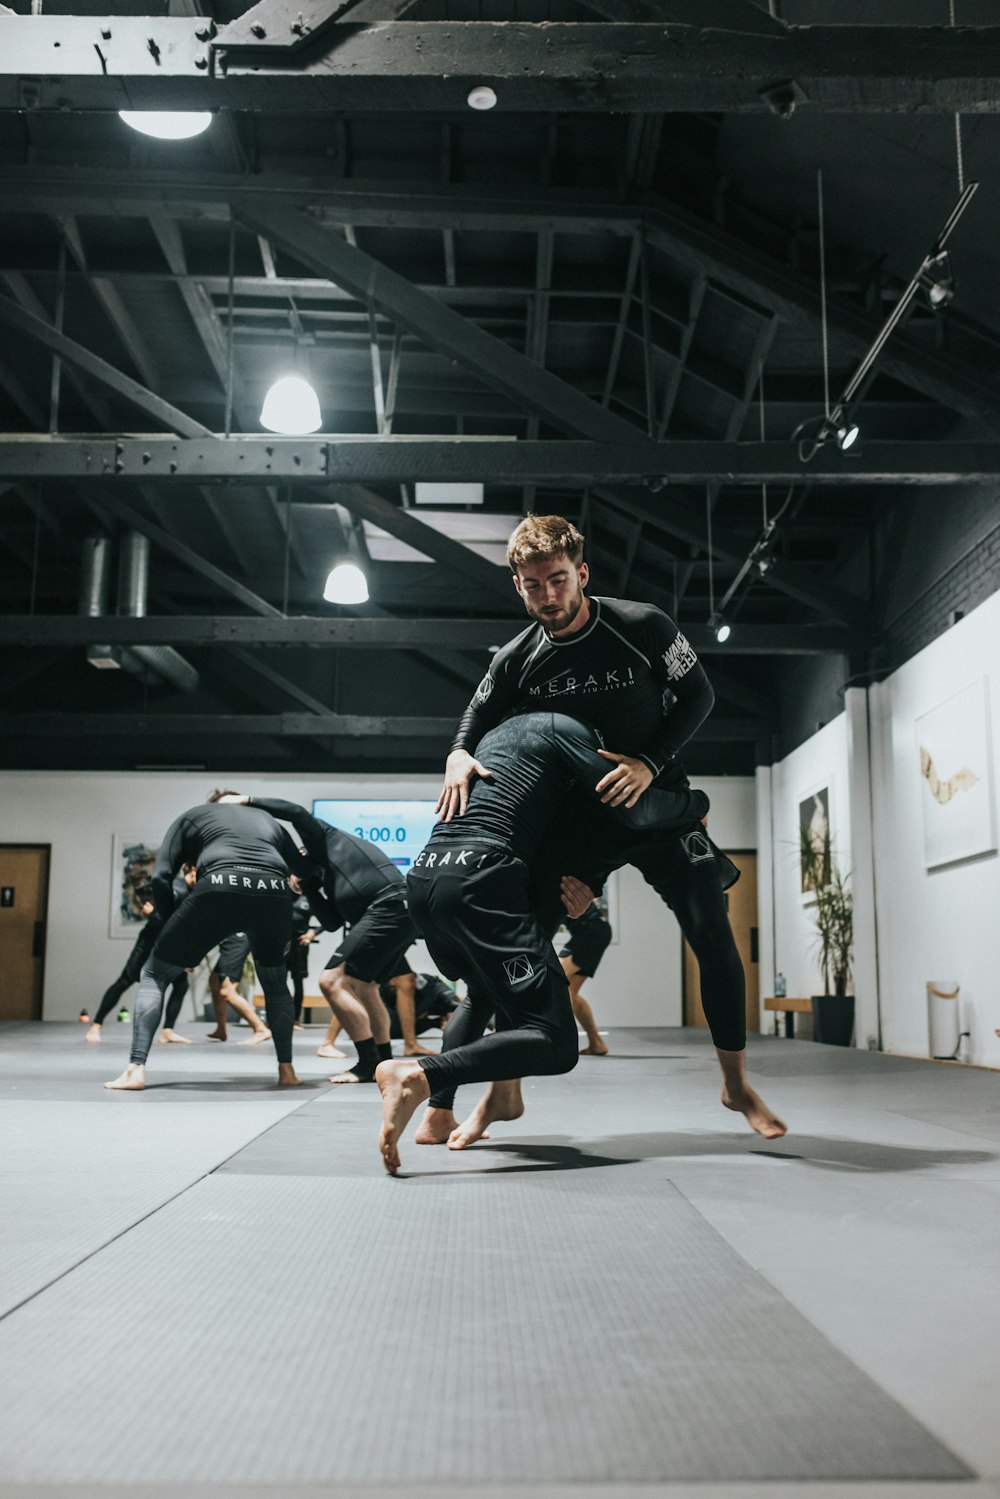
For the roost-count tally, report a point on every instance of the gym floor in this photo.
(212, 1288)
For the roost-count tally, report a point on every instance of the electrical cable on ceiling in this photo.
(711, 567)
(822, 294)
(958, 121)
(763, 487)
(229, 327)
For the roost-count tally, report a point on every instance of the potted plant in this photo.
(833, 912)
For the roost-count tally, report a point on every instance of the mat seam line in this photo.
(151, 1214)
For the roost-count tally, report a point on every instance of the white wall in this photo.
(79, 812)
(912, 924)
(941, 923)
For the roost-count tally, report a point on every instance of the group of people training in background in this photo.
(564, 768)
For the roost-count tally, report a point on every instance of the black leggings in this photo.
(478, 926)
(130, 975)
(207, 916)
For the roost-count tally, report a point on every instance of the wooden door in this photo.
(24, 897)
(741, 900)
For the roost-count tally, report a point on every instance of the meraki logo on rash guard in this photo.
(564, 684)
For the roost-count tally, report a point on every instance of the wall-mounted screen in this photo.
(400, 829)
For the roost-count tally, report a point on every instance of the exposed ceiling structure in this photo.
(608, 296)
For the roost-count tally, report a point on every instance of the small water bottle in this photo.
(123, 1015)
(780, 986)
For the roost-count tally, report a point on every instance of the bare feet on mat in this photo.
(219, 1034)
(435, 1127)
(404, 1087)
(94, 1033)
(349, 1077)
(326, 1050)
(170, 1037)
(258, 1036)
(286, 1076)
(500, 1101)
(417, 1049)
(132, 1080)
(595, 1049)
(756, 1112)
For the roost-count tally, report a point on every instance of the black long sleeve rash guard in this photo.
(219, 835)
(615, 673)
(354, 870)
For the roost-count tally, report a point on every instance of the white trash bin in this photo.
(943, 1018)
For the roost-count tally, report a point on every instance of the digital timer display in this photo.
(400, 829)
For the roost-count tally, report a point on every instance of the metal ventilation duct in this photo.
(133, 589)
(95, 591)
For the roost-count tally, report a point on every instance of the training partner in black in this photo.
(569, 654)
(588, 939)
(416, 1002)
(243, 858)
(360, 890)
(469, 895)
(226, 974)
(141, 949)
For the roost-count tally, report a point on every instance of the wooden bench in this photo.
(789, 1006)
(310, 1002)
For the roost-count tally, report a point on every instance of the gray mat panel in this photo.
(510, 1328)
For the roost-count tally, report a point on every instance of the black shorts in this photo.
(223, 903)
(474, 914)
(588, 942)
(372, 948)
(233, 953)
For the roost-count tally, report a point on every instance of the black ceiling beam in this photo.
(196, 726)
(487, 357)
(311, 461)
(67, 349)
(703, 247)
(359, 633)
(164, 62)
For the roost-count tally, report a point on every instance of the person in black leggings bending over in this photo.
(469, 896)
(243, 858)
(360, 889)
(141, 950)
(627, 669)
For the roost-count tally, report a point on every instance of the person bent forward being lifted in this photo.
(468, 894)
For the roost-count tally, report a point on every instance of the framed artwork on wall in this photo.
(814, 843)
(955, 766)
(132, 863)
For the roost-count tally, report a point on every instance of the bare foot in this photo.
(435, 1127)
(326, 1050)
(350, 1076)
(258, 1036)
(404, 1087)
(132, 1080)
(168, 1037)
(219, 1034)
(286, 1076)
(298, 1026)
(93, 1034)
(501, 1101)
(595, 1049)
(758, 1115)
(417, 1050)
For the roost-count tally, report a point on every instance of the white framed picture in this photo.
(815, 838)
(954, 763)
(132, 861)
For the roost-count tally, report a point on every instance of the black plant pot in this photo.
(833, 1019)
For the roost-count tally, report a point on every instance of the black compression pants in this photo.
(130, 975)
(208, 915)
(477, 923)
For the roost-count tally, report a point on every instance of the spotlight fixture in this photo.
(291, 406)
(937, 280)
(346, 584)
(167, 125)
(481, 97)
(815, 433)
(719, 628)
